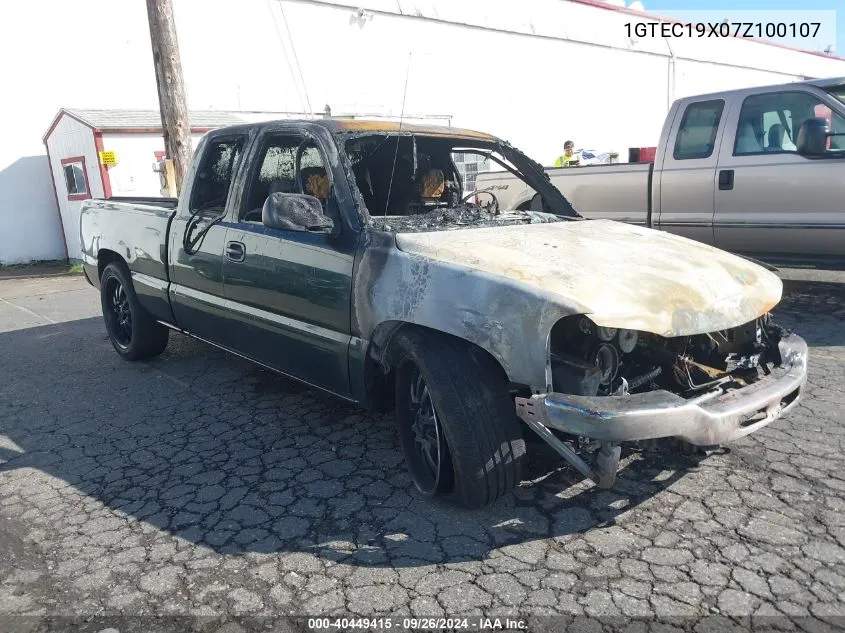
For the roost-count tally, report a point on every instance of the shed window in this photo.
(76, 179)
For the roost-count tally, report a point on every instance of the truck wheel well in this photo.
(379, 370)
(104, 258)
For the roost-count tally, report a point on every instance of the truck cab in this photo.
(730, 171)
(732, 174)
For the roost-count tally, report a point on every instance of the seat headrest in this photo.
(432, 184)
(316, 182)
(776, 134)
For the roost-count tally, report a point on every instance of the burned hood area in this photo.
(410, 182)
(465, 215)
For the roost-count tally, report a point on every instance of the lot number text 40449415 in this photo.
(416, 624)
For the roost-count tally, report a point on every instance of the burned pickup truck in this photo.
(345, 254)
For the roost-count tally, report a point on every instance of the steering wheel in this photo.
(494, 199)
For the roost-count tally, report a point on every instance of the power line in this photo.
(398, 135)
(296, 58)
(287, 59)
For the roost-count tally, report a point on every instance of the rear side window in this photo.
(214, 178)
(697, 134)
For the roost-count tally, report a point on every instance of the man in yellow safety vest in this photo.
(568, 158)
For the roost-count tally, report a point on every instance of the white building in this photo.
(533, 72)
(74, 144)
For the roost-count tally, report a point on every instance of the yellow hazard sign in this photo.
(108, 158)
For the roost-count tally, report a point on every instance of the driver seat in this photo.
(316, 183)
(432, 185)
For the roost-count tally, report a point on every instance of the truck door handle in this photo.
(726, 179)
(235, 251)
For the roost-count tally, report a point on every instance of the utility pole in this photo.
(171, 88)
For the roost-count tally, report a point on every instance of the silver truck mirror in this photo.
(812, 137)
(295, 212)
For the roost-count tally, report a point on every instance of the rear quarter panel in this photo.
(137, 234)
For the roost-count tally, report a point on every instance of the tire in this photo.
(476, 429)
(132, 331)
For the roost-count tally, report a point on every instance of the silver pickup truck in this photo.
(759, 171)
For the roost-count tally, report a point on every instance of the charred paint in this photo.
(393, 127)
(503, 288)
(464, 216)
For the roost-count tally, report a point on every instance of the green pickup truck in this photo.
(343, 253)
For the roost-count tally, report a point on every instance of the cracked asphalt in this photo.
(199, 485)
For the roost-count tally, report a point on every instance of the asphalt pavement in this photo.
(197, 485)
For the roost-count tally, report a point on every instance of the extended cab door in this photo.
(196, 270)
(290, 291)
(770, 200)
(687, 176)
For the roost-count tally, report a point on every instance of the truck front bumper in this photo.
(716, 417)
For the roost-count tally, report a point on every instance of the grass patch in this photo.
(75, 268)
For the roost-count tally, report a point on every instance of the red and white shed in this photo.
(104, 153)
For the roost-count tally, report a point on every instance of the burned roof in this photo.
(369, 126)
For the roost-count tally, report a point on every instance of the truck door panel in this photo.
(290, 294)
(780, 203)
(687, 177)
(196, 274)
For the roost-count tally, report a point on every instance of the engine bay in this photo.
(590, 360)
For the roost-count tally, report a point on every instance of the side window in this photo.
(75, 179)
(697, 133)
(277, 174)
(214, 178)
(770, 122)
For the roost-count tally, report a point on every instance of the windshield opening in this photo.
(413, 182)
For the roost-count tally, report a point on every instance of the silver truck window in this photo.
(769, 123)
(214, 177)
(697, 132)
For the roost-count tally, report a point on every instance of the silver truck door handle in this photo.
(235, 251)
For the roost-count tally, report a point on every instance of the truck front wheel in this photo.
(134, 334)
(457, 424)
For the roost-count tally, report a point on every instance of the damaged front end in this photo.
(613, 385)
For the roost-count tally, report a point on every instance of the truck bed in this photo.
(139, 225)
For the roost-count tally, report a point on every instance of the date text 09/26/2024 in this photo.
(723, 29)
(417, 624)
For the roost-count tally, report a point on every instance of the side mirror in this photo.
(295, 212)
(812, 137)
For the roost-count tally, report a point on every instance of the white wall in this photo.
(133, 175)
(69, 139)
(534, 72)
(29, 230)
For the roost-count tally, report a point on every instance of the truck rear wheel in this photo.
(132, 331)
(457, 424)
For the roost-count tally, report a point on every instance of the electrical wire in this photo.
(287, 59)
(296, 59)
(398, 135)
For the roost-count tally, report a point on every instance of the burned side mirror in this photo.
(295, 212)
(812, 137)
